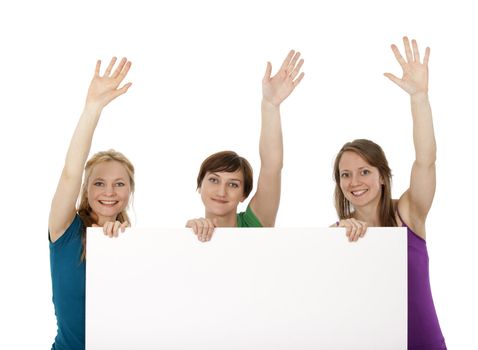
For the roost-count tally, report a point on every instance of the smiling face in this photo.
(221, 192)
(360, 182)
(108, 190)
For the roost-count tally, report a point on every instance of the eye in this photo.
(213, 180)
(98, 183)
(344, 175)
(234, 185)
(120, 184)
(365, 172)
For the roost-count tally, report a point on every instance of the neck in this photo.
(101, 220)
(229, 220)
(369, 214)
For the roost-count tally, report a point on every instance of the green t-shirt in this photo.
(248, 219)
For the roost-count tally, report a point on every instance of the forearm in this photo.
(423, 133)
(270, 143)
(80, 143)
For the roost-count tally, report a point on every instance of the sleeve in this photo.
(248, 219)
(71, 233)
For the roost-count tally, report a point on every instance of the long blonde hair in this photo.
(84, 210)
(375, 156)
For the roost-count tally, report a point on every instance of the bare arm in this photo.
(275, 90)
(102, 90)
(416, 202)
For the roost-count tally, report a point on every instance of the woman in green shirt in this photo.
(225, 178)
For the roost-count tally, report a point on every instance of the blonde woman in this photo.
(105, 193)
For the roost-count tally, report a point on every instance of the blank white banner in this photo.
(254, 289)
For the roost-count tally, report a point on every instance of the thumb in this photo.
(95, 225)
(267, 74)
(393, 78)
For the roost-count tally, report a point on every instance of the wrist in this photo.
(269, 105)
(419, 96)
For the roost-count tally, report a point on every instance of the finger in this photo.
(110, 67)
(267, 74)
(408, 50)
(97, 69)
(205, 232)
(123, 226)
(393, 78)
(107, 228)
(296, 70)
(116, 227)
(95, 225)
(293, 62)
(358, 226)
(119, 68)
(353, 233)
(210, 231)
(427, 56)
(194, 226)
(123, 72)
(204, 228)
(416, 53)
(286, 62)
(299, 79)
(364, 229)
(398, 56)
(122, 90)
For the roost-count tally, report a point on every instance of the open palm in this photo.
(415, 74)
(276, 89)
(104, 89)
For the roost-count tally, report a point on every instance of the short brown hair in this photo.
(230, 162)
(375, 156)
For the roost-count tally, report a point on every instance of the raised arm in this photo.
(275, 90)
(102, 90)
(415, 203)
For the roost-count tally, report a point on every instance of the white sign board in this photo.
(254, 289)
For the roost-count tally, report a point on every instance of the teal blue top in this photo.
(68, 275)
(248, 219)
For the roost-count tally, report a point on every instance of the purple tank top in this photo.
(424, 331)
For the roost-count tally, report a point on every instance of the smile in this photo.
(111, 203)
(358, 193)
(219, 200)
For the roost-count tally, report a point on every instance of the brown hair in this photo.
(230, 162)
(84, 209)
(375, 156)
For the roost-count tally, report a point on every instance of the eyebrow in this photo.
(215, 174)
(102, 179)
(361, 168)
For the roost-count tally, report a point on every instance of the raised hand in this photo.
(415, 74)
(276, 89)
(104, 89)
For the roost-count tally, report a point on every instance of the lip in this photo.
(108, 202)
(221, 201)
(358, 193)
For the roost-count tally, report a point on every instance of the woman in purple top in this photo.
(363, 195)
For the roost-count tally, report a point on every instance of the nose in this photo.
(221, 190)
(110, 190)
(355, 180)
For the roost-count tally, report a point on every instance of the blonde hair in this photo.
(84, 210)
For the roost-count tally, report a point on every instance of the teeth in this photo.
(108, 202)
(358, 193)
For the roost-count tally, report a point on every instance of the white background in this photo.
(248, 289)
(197, 70)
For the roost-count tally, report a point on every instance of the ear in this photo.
(381, 181)
(199, 190)
(242, 199)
